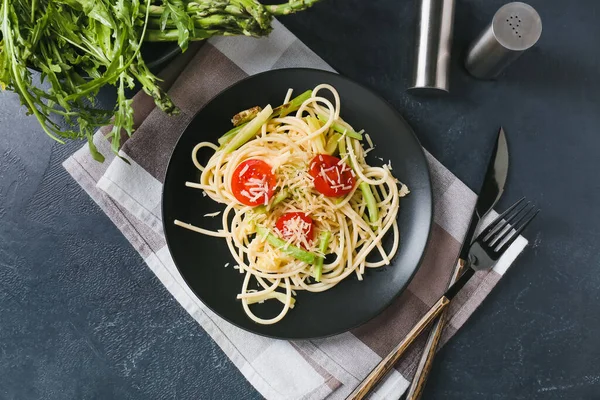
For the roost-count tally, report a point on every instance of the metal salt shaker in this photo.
(515, 28)
(432, 47)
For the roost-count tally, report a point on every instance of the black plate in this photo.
(201, 259)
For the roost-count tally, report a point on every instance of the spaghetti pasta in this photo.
(297, 217)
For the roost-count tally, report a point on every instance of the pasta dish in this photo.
(303, 209)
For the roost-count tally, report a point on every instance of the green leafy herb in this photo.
(80, 46)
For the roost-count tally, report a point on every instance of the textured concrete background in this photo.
(82, 317)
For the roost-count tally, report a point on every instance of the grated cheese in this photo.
(257, 189)
(295, 230)
(343, 160)
(244, 170)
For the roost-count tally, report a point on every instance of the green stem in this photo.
(332, 144)
(171, 35)
(288, 249)
(281, 196)
(199, 10)
(215, 21)
(290, 7)
(9, 49)
(367, 193)
(256, 10)
(364, 187)
(324, 239)
(223, 140)
(293, 105)
(249, 131)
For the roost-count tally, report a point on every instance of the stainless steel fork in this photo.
(487, 248)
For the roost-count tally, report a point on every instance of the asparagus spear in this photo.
(291, 7)
(245, 116)
(324, 239)
(281, 111)
(279, 197)
(364, 187)
(293, 105)
(282, 245)
(249, 131)
(231, 133)
(332, 144)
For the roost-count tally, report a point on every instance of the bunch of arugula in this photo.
(81, 45)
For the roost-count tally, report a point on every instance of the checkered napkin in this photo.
(130, 194)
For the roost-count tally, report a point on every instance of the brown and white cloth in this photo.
(130, 194)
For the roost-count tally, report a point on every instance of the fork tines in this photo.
(505, 229)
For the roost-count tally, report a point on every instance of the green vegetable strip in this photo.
(280, 111)
(293, 105)
(291, 7)
(245, 116)
(296, 252)
(227, 137)
(281, 196)
(341, 129)
(249, 131)
(313, 123)
(364, 187)
(324, 239)
(332, 144)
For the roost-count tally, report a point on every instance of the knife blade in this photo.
(491, 191)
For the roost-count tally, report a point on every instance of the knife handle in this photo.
(420, 379)
(391, 359)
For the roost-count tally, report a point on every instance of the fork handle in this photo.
(420, 379)
(391, 359)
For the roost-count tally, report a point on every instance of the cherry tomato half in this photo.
(296, 226)
(331, 177)
(253, 183)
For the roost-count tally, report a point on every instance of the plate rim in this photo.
(429, 192)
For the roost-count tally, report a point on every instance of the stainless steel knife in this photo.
(490, 193)
(492, 190)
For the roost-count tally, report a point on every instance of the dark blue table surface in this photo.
(82, 316)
